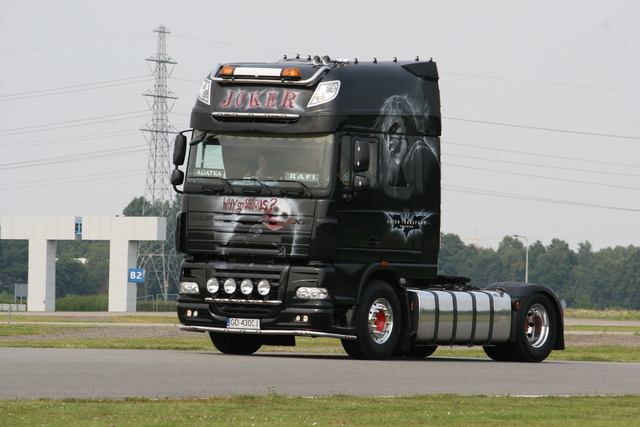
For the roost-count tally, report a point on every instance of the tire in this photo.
(378, 323)
(499, 353)
(420, 352)
(536, 329)
(235, 343)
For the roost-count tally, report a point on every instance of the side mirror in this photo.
(360, 156)
(179, 149)
(177, 177)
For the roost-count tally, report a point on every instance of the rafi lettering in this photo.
(301, 176)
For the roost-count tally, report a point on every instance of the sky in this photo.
(540, 100)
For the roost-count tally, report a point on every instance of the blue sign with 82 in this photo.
(136, 275)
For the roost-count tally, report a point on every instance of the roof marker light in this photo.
(292, 73)
(227, 71)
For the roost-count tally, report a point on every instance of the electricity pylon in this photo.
(159, 258)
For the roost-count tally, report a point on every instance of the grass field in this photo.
(318, 345)
(279, 410)
(576, 313)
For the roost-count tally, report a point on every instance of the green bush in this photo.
(83, 303)
(6, 298)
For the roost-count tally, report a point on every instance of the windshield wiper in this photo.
(295, 191)
(256, 190)
(225, 187)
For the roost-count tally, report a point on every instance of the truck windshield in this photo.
(261, 160)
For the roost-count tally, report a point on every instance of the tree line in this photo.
(607, 278)
(82, 267)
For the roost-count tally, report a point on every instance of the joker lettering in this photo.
(284, 99)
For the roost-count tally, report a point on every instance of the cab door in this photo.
(358, 211)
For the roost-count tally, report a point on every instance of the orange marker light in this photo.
(227, 70)
(292, 73)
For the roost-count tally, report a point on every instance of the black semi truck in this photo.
(311, 207)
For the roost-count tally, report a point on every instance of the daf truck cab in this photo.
(311, 207)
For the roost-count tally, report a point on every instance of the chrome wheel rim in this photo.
(537, 325)
(380, 321)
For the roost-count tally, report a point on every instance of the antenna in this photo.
(159, 258)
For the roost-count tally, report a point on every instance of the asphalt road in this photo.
(31, 373)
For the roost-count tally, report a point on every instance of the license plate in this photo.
(234, 323)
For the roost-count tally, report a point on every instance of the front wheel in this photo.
(235, 343)
(420, 352)
(378, 323)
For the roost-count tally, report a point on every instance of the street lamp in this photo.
(526, 262)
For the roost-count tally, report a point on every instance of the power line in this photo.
(544, 129)
(186, 80)
(52, 141)
(116, 152)
(71, 180)
(544, 166)
(76, 123)
(71, 89)
(544, 177)
(74, 45)
(532, 198)
(551, 156)
(545, 119)
(230, 44)
(543, 83)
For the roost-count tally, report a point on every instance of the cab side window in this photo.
(344, 170)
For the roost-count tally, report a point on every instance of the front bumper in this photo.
(303, 333)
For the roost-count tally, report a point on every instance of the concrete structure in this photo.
(124, 233)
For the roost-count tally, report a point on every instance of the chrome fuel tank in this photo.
(460, 318)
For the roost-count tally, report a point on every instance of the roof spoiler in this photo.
(424, 70)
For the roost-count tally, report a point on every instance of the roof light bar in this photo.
(260, 73)
(289, 75)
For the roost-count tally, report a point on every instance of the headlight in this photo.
(246, 286)
(325, 92)
(213, 285)
(230, 286)
(205, 89)
(189, 288)
(312, 293)
(264, 287)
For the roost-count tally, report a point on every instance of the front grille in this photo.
(250, 235)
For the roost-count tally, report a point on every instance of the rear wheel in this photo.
(536, 328)
(378, 323)
(235, 343)
(499, 352)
